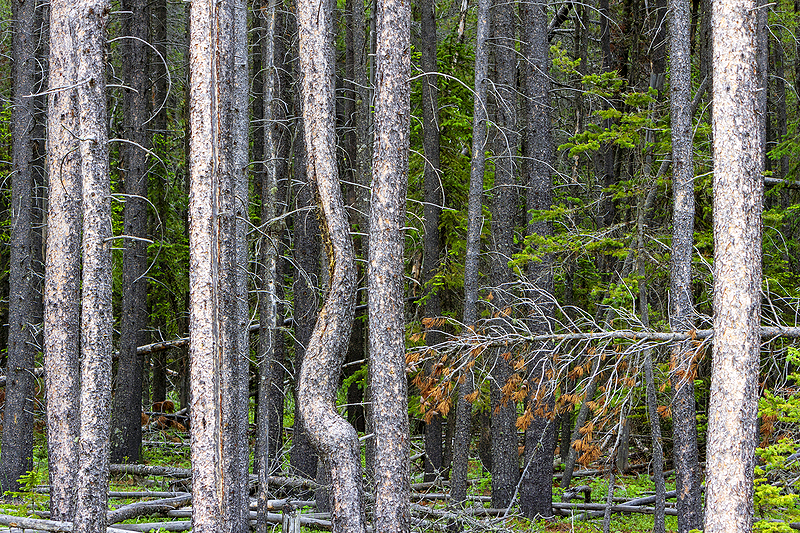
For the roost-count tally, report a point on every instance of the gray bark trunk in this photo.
(738, 199)
(505, 454)
(536, 487)
(24, 298)
(335, 440)
(96, 319)
(458, 478)
(385, 272)
(62, 265)
(431, 211)
(126, 434)
(685, 454)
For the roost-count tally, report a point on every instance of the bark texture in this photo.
(96, 319)
(458, 478)
(431, 211)
(738, 199)
(62, 264)
(24, 297)
(536, 486)
(218, 367)
(505, 445)
(385, 273)
(126, 433)
(687, 468)
(334, 439)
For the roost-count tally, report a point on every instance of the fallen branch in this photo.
(614, 508)
(146, 508)
(25, 522)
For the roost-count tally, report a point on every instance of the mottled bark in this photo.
(62, 264)
(126, 433)
(432, 210)
(458, 477)
(738, 197)
(536, 487)
(24, 297)
(268, 294)
(505, 140)
(685, 453)
(385, 272)
(334, 439)
(217, 209)
(96, 319)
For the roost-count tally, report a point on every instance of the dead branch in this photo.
(145, 508)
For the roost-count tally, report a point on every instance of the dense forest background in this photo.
(546, 235)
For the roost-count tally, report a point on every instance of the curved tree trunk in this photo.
(335, 440)
(62, 265)
(738, 200)
(385, 272)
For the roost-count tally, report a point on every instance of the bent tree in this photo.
(334, 438)
(738, 202)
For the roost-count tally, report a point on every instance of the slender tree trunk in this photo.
(738, 197)
(126, 434)
(96, 319)
(505, 444)
(536, 487)
(62, 265)
(431, 212)
(17, 457)
(386, 269)
(458, 479)
(335, 440)
(687, 468)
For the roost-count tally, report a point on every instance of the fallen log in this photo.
(145, 508)
(57, 526)
(614, 508)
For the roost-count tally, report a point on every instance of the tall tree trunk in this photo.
(335, 440)
(458, 478)
(96, 319)
(505, 445)
(431, 211)
(738, 196)
(536, 487)
(126, 435)
(687, 468)
(62, 265)
(386, 268)
(24, 297)
(217, 208)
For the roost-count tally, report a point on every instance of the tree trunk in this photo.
(386, 268)
(505, 444)
(431, 212)
(217, 208)
(334, 439)
(126, 434)
(24, 298)
(96, 318)
(685, 454)
(536, 487)
(738, 197)
(62, 265)
(458, 479)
